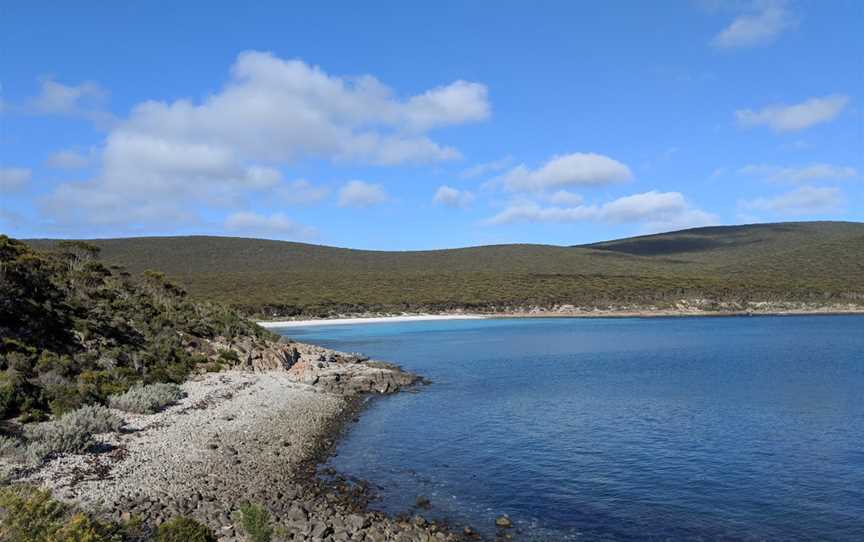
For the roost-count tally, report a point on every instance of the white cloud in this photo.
(68, 159)
(455, 103)
(86, 101)
(302, 192)
(567, 170)
(564, 198)
(761, 25)
(799, 174)
(654, 210)
(275, 109)
(275, 226)
(792, 118)
(362, 194)
(806, 200)
(168, 159)
(14, 178)
(486, 168)
(452, 197)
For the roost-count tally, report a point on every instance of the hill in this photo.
(816, 262)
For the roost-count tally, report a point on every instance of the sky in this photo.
(418, 125)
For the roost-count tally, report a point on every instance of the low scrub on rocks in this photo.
(72, 433)
(28, 514)
(94, 419)
(255, 521)
(9, 446)
(147, 399)
(184, 529)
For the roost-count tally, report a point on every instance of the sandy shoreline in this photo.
(368, 320)
(656, 313)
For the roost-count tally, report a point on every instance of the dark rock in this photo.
(423, 502)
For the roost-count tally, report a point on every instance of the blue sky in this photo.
(407, 125)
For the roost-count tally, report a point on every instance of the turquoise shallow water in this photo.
(617, 429)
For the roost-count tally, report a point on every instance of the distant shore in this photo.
(582, 313)
(369, 320)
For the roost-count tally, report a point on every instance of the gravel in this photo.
(244, 436)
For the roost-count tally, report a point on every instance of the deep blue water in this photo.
(596, 429)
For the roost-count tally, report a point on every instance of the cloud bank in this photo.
(167, 159)
(655, 210)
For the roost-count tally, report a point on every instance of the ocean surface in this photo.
(619, 429)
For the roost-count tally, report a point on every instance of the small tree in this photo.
(77, 254)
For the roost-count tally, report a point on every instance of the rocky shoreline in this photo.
(254, 434)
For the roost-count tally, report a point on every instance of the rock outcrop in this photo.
(330, 370)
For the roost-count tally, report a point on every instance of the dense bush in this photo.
(74, 332)
(255, 521)
(147, 399)
(184, 529)
(28, 514)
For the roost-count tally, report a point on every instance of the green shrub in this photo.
(255, 522)
(9, 446)
(94, 419)
(18, 396)
(28, 514)
(229, 356)
(100, 384)
(52, 438)
(183, 529)
(72, 433)
(147, 399)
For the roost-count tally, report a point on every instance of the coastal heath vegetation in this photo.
(807, 264)
(147, 399)
(71, 433)
(255, 521)
(29, 514)
(76, 332)
(184, 529)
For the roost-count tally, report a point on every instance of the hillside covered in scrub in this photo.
(74, 331)
(805, 262)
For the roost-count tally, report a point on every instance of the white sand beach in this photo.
(369, 320)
